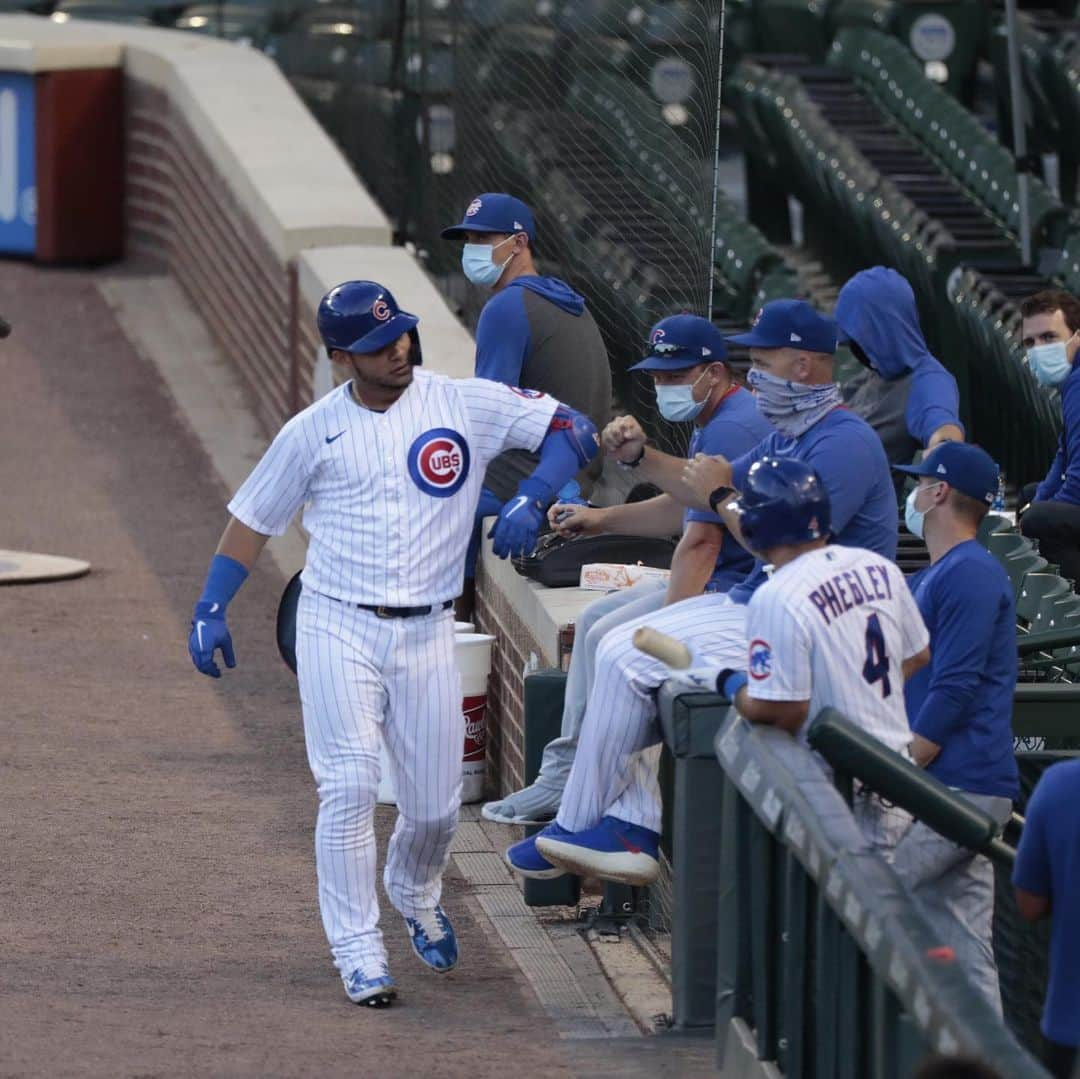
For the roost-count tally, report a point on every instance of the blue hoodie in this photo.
(503, 334)
(876, 309)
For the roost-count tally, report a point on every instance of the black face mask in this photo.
(860, 355)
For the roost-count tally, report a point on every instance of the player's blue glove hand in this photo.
(209, 633)
(520, 520)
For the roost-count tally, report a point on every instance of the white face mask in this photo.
(915, 518)
(1050, 363)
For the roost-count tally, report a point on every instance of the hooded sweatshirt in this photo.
(909, 394)
(537, 333)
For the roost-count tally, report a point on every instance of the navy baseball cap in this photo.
(790, 324)
(681, 341)
(494, 212)
(970, 469)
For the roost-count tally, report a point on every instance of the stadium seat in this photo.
(1035, 589)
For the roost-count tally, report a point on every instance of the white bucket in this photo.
(472, 653)
(464, 627)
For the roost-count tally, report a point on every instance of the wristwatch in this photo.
(635, 462)
(720, 495)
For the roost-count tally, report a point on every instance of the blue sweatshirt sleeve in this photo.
(1032, 872)
(502, 338)
(1052, 482)
(1069, 491)
(965, 610)
(933, 401)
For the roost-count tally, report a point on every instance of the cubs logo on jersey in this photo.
(760, 665)
(380, 310)
(439, 462)
(530, 394)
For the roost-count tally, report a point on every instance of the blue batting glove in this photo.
(209, 633)
(517, 527)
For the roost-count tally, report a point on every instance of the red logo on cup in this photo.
(380, 309)
(473, 708)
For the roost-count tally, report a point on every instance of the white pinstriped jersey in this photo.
(390, 495)
(833, 627)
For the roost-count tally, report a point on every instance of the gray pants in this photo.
(954, 889)
(608, 612)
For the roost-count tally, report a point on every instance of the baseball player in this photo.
(389, 466)
(693, 384)
(832, 627)
(611, 803)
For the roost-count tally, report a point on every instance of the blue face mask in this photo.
(478, 266)
(1050, 363)
(676, 403)
(915, 518)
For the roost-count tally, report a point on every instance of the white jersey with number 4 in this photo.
(390, 495)
(834, 627)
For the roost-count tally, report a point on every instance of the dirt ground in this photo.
(157, 881)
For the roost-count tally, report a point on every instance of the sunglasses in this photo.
(664, 348)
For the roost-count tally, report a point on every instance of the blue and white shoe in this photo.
(371, 984)
(525, 858)
(433, 940)
(613, 850)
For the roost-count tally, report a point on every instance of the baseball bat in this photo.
(662, 647)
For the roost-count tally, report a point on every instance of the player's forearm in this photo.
(660, 516)
(667, 473)
(692, 564)
(241, 544)
(787, 715)
(947, 432)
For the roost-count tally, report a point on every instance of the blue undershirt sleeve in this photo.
(502, 338)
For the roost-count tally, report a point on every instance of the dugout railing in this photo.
(823, 963)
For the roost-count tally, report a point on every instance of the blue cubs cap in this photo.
(790, 324)
(494, 212)
(970, 469)
(681, 341)
(361, 316)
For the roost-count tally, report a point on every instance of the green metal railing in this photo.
(821, 951)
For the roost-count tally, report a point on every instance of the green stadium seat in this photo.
(1036, 589)
(796, 27)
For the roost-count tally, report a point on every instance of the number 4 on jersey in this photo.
(876, 667)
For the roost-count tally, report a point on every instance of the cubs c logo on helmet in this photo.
(439, 462)
(532, 395)
(658, 335)
(474, 208)
(380, 310)
(760, 660)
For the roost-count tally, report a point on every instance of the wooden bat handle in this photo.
(662, 647)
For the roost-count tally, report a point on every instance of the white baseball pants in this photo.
(361, 678)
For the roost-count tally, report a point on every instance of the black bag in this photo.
(557, 562)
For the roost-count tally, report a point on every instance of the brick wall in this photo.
(181, 216)
(506, 710)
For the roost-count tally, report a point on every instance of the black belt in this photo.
(398, 612)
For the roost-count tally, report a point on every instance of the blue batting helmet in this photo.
(362, 316)
(783, 501)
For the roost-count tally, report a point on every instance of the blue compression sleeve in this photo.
(570, 444)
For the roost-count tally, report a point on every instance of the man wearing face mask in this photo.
(693, 384)
(611, 806)
(535, 333)
(1051, 338)
(960, 706)
(905, 394)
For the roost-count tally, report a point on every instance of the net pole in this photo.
(716, 166)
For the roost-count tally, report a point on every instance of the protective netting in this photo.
(600, 114)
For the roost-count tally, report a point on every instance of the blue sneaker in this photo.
(433, 940)
(525, 858)
(371, 984)
(613, 850)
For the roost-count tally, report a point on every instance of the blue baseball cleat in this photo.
(613, 850)
(433, 940)
(526, 859)
(371, 984)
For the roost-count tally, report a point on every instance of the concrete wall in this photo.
(233, 187)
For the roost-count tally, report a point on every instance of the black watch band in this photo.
(635, 462)
(721, 494)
